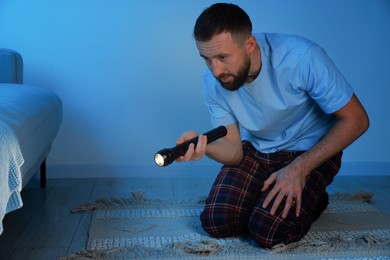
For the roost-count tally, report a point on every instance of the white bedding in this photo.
(29, 121)
(11, 160)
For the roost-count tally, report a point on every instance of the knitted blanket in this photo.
(11, 160)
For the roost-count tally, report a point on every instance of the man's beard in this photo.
(239, 79)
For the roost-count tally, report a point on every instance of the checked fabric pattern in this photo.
(234, 205)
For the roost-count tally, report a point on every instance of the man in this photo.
(289, 114)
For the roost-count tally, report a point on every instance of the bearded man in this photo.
(289, 113)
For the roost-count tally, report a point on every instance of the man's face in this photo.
(229, 62)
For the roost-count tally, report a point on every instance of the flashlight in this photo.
(166, 156)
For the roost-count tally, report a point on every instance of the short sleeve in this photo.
(324, 82)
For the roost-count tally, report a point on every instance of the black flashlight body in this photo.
(166, 156)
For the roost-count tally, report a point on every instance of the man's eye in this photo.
(222, 58)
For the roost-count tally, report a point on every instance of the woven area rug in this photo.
(140, 228)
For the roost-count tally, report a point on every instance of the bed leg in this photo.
(43, 174)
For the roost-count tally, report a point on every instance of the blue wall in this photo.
(128, 72)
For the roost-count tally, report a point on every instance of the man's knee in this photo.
(268, 230)
(220, 222)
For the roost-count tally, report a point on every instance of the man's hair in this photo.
(220, 18)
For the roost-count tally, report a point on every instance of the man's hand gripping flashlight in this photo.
(166, 156)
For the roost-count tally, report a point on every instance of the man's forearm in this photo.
(227, 150)
(344, 132)
(224, 152)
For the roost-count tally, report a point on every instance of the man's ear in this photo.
(250, 44)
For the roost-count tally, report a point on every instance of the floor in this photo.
(44, 228)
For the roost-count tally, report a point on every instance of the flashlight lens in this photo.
(159, 159)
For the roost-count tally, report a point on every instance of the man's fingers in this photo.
(196, 153)
(268, 182)
(287, 206)
(286, 193)
(200, 149)
(277, 197)
(188, 155)
(186, 136)
(277, 203)
(298, 201)
(271, 195)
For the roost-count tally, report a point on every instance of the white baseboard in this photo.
(189, 170)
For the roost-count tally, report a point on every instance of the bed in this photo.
(30, 118)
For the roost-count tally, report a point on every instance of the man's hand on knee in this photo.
(287, 184)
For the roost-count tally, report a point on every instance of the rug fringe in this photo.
(202, 248)
(91, 254)
(363, 196)
(305, 246)
(212, 248)
(138, 199)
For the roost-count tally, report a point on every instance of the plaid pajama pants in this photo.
(234, 205)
